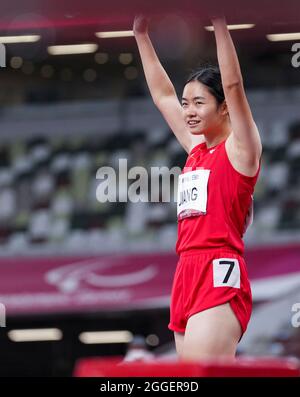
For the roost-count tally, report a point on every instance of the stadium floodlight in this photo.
(69, 49)
(105, 337)
(233, 27)
(19, 39)
(35, 335)
(114, 34)
(283, 36)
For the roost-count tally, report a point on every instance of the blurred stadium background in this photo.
(73, 266)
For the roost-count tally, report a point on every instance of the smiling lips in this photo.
(193, 123)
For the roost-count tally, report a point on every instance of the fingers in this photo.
(218, 19)
(140, 24)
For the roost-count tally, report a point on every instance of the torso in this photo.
(220, 218)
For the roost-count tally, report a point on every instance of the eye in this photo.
(199, 103)
(184, 104)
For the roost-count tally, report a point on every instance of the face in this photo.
(200, 109)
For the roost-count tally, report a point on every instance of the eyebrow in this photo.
(196, 97)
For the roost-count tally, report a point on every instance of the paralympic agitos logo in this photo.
(296, 57)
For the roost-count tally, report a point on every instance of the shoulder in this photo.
(239, 159)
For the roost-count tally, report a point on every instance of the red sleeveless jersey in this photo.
(229, 203)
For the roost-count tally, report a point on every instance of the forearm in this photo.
(227, 56)
(157, 79)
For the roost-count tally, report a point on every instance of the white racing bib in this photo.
(192, 193)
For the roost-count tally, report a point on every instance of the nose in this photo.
(190, 111)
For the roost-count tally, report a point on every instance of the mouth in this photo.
(193, 123)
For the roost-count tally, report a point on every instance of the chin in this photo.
(196, 132)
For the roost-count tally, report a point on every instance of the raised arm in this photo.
(245, 137)
(161, 88)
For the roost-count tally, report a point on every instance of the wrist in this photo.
(140, 34)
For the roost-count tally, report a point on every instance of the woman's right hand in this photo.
(140, 25)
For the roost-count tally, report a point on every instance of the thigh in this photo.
(212, 333)
(179, 340)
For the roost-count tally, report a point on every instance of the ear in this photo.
(224, 108)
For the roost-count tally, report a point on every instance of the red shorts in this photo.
(208, 278)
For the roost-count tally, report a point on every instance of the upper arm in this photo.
(245, 134)
(171, 110)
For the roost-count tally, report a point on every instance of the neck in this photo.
(217, 136)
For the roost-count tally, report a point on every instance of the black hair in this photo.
(209, 75)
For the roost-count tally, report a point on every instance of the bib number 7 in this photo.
(226, 272)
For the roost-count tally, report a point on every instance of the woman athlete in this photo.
(211, 297)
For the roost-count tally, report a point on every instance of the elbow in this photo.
(157, 103)
(159, 99)
(233, 84)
